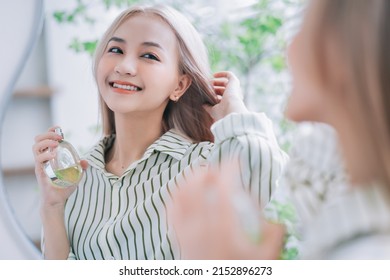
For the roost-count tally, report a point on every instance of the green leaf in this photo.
(119, 3)
(70, 18)
(83, 46)
(290, 254)
(59, 16)
(76, 45)
(90, 46)
(89, 20)
(81, 8)
(278, 63)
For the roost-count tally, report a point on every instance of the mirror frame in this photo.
(18, 244)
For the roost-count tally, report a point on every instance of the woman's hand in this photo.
(227, 87)
(44, 150)
(208, 225)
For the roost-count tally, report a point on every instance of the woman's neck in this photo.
(357, 148)
(133, 136)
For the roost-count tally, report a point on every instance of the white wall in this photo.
(75, 104)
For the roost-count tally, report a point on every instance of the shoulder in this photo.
(180, 146)
(200, 148)
(192, 148)
(366, 247)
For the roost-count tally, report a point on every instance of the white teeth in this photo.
(126, 87)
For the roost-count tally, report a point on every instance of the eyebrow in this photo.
(117, 39)
(152, 44)
(147, 43)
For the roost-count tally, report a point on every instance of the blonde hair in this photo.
(187, 115)
(359, 30)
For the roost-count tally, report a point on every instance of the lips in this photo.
(124, 87)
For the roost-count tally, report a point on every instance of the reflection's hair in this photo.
(355, 33)
(187, 115)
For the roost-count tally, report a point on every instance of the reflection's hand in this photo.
(208, 226)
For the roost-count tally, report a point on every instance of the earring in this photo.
(175, 98)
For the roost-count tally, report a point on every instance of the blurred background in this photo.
(56, 86)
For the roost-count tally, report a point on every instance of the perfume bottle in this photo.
(64, 170)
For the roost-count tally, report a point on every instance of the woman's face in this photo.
(307, 99)
(319, 73)
(138, 71)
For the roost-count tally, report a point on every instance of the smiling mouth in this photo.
(125, 87)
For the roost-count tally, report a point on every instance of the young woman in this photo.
(340, 65)
(158, 103)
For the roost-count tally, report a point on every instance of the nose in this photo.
(126, 66)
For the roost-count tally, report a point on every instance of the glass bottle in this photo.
(64, 170)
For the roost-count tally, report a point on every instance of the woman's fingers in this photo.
(84, 164)
(224, 74)
(44, 148)
(44, 145)
(219, 86)
(219, 91)
(44, 151)
(220, 82)
(45, 156)
(48, 135)
(230, 98)
(226, 82)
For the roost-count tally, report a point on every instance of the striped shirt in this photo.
(334, 219)
(124, 217)
(352, 225)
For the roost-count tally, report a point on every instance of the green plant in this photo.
(83, 13)
(285, 214)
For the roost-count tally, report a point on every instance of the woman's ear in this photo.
(182, 85)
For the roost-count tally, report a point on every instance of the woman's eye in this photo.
(115, 50)
(150, 56)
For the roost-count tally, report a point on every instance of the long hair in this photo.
(187, 115)
(360, 31)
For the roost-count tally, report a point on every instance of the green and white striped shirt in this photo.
(111, 217)
(334, 219)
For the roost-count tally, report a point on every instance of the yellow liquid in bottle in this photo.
(68, 176)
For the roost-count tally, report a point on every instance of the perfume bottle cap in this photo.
(58, 131)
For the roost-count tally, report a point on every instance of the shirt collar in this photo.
(172, 143)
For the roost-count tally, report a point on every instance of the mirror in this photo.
(21, 23)
(20, 27)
